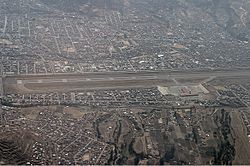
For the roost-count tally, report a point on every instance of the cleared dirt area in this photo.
(242, 144)
(32, 113)
(74, 112)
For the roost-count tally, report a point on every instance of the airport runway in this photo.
(85, 79)
(113, 76)
(114, 79)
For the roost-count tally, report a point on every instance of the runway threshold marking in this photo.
(19, 82)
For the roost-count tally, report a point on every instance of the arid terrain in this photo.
(124, 82)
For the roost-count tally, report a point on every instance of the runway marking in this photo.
(64, 80)
(19, 82)
(176, 82)
(148, 77)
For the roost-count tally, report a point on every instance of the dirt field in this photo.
(242, 144)
(75, 112)
(32, 113)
